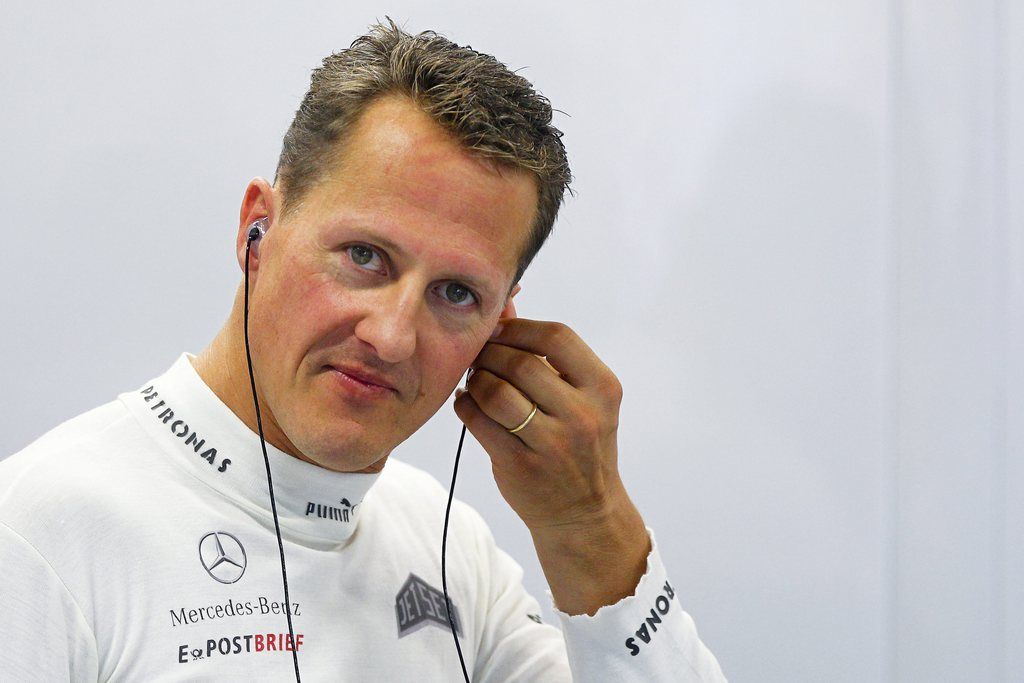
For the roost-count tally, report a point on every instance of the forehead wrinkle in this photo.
(455, 191)
(435, 168)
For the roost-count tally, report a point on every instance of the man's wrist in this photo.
(595, 562)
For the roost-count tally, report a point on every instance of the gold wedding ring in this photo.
(524, 422)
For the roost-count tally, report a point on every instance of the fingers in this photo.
(499, 400)
(511, 372)
(566, 352)
(505, 450)
(495, 406)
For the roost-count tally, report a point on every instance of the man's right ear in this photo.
(259, 202)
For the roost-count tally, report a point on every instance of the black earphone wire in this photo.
(254, 234)
(444, 547)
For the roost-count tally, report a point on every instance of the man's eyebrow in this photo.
(383, 241)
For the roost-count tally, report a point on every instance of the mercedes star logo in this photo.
(222, 555)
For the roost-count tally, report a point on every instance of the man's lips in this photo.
(364, 376)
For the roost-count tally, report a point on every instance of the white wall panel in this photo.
(951, 336)
(1009, 604)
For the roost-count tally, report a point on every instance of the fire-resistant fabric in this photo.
(137, 544)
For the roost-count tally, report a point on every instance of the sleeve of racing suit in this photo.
(646, 636)
(623, 642)
(44, 633)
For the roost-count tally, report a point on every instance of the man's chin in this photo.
(345, 465)
(375, 467)
(350, 460)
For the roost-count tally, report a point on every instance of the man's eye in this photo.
(361, 255)
(457, 294)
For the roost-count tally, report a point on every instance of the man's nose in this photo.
(390, 324)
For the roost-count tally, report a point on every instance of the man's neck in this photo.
(222, 366)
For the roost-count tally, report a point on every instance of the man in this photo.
(140, 541)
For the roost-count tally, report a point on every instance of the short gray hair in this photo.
(493, 112)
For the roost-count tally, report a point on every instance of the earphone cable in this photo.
(444, 548)
(266, 461)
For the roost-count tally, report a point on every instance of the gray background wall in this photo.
(797, 239)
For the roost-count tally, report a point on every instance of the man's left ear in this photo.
(510, 308)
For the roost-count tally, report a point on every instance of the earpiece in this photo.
(257, 230)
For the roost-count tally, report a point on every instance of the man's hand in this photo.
(559, 472)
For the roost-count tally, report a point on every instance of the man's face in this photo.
(396, 265)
